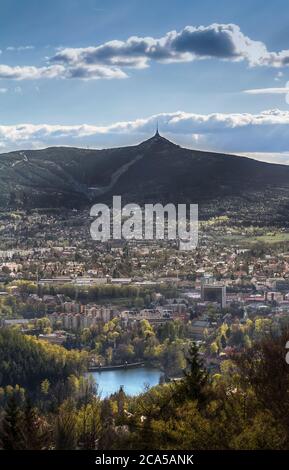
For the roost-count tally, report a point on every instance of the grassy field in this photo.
(268, 238)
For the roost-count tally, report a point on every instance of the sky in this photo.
(100, 74)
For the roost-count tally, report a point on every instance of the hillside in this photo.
(156, 170)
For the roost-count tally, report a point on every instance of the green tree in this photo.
(89, 425)
(196, 377)
(12, 433)
(36, 429)
(65, 429)
(44, 386)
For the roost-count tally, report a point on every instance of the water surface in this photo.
(134, 381)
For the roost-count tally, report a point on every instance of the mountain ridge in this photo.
(155, 170)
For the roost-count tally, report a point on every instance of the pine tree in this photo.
(223, 341)
(89, 425)
(12, 432)
(107, 419)
(36, 429)
(66, 437)
(196, 377)
(120, 397)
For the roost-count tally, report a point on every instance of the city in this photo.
(144, 232)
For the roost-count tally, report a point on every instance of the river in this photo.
(134, 381)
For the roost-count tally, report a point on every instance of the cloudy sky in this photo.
(101, 73)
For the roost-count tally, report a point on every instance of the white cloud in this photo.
(3, 90)
(59, 71)
(93, 72)
(268, 91)
(279, 75)
(264, 133)
(221, 41)
(19, 48)
(29, 72)
(111, 59)
(281, 158)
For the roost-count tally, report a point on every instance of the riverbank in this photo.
(133, 365)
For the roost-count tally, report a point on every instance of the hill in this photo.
(156, 170)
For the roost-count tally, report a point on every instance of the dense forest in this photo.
(162, 346)
(244, 406)
(36, 366)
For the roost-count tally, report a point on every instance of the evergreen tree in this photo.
(89, 425)
(223, 341)
(12, 432)
(196, 377)
(107, 420)
(36, 432)
(120, 398)
(65, 438)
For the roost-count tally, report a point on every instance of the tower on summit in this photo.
(157, 130)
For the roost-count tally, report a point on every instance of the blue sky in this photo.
(208, 85)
